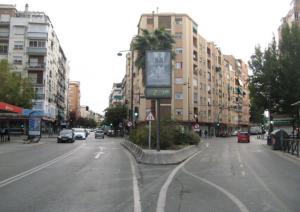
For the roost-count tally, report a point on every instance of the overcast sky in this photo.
(92, 32)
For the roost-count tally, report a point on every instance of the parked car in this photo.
(234, 133)
(110, 132)
(243, 137)
(99, 134)
(66, 135)
(79, 133)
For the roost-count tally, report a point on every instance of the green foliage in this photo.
(276, 75)
(171, 134)
(86, 123)
(160, 39)
(14, 89)
(115, 115)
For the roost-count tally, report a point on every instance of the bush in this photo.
(171, 134)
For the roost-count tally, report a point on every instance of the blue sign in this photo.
(34, 126)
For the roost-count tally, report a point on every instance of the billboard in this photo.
(34, 126)
(158, 74)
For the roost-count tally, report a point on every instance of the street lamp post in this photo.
(131, 114)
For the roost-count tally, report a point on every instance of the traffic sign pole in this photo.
(149, 140)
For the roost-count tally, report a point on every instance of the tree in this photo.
(14, 89)
(159, 39)
(115, 114)
(289, 48)
(276, 75)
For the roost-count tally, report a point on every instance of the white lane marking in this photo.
(99, 153)
(207, 144)
(233, 198)
(241, 165)
(136, 191)
(243, 173)
(161, 202)
(239, 157)
(37, 168)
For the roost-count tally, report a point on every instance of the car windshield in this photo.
(150, 106)
(65, 132)
(79, 130)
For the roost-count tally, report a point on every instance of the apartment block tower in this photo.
(209, 90)
(74, 98)
(28, 41)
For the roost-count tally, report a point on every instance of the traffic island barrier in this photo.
(163, 157)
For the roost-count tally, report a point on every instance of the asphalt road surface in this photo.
(100, 175)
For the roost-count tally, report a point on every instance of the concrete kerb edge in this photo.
(160, 158)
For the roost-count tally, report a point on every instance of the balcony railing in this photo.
(37, 51)
(36, 66)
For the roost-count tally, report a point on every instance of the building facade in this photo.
(293, 16)
(74, 98)
(209, 90)
(116, 95)
(28, 41)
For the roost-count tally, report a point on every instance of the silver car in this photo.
(99, 134)
(79, 133)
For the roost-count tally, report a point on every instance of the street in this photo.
(100, 175)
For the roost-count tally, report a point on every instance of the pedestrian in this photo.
(6, 133)
(205, 133)
(1, 134)
(200, 133)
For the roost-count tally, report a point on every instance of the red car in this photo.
(243, 137)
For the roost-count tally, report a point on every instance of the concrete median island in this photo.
(163, 157)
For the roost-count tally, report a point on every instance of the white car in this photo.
(79, 133)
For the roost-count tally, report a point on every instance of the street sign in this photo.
(196, 126)
(150, 117)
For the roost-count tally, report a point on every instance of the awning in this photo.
(10, 108)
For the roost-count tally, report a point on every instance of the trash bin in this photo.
(277, 137)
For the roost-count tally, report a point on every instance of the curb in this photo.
(159, 158)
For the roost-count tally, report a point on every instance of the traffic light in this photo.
(136, 112)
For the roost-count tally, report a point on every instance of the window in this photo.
(195, 98)
(19, 30)
(17, 60)
(195, 28)
(195, 82)
(37, 43)
(150, 21)
(18, 45)
(208, 89)
(178, 21)
(179, 50)
(3, 47)
(178, 35)
(164, 22)
(179, 65)
(179, 80)
(208, 64)
(178, 111)
(208, 101)
(208, 76)
(179, 95)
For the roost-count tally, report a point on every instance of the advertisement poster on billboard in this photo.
(34, 126)
(158, 74)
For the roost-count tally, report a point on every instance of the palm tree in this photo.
(159, 39)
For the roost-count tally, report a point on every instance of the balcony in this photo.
(4, 34)
(39, 96)
(36, 51)
(36, 66)
(38, 35)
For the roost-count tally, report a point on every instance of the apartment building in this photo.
(74, 98)
(293, 16)
(116, 95)
(28, 41)
(210, 89)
